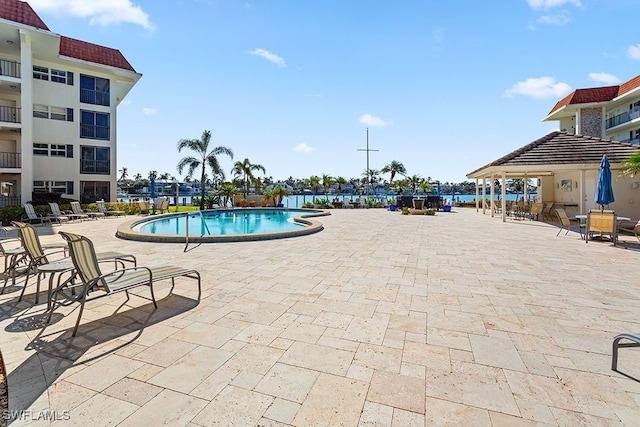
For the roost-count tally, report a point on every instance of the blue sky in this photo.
(444, 87)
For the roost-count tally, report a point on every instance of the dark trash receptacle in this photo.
(434, 202)
(405, 202)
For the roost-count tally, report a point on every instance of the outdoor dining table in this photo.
(583, 218)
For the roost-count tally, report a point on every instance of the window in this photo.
(57, 150)
(94, 125)
(95, 160)
(55, 113)
(90, 191)
(56, 76)
(94, 90)
(53, 187)
(40, 149)
(40, 73)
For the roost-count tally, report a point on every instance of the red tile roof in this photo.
(21, 12)
(93, 53)
(586, 96)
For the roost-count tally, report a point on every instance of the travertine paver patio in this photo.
(380, 319)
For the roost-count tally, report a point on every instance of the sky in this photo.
(443, 87)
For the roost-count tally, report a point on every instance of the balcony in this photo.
(10, 160)
(99, 167)
(623, 118)
(9, 114)
(635, 141)
(94, 132)
(94, 97)
(9, 68)
(6, 201)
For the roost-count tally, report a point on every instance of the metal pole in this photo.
(367, 150)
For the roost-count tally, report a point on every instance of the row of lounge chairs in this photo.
(81, 275)
(59, 216)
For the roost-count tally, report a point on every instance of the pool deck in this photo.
(379, 319)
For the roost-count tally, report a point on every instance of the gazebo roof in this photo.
(560, 148)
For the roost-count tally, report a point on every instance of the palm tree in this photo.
(393, 168)
(425, 186)
(341, 181)
(205, 157)
(227, 190)
(124, 174)
(414, 181)
(246, 169)
(314, 182)
(631, 166)
(327, 182)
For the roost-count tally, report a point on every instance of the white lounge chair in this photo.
(102, 207)
(31, 216)
(56, 214)
(77, 210)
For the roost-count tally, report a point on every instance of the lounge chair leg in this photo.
(24, 288)
(153, 297)
(84, 299)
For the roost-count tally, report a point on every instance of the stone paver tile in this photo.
(472, 384)
(571, 418)
(133, 391)
(360, 373)
(398, 391)
(368, 329)
(350, 308)
(333, 320)
(287, 382)
(145, 372)
(536, 412)
(282, 411)
(190, 370)
(304, 332)
(320, 358)
(168, 408)
(413, 323)
(105, 372)
(215, 383)
(332, 401)
(375, 415)
(431, 356)
(498, 352)
(254, 358)
(402, 418)
(378, 357)
(307, 308)
(247, 380)
(543, 390)
(448, 338)
(258, 334)
(234, 406)
(411, 370)
(165, 352)
(205, 334)
(444, 413)
(587, 385)
(337, 342)
(537, 364)
(101, 410)
(498, 420)
(65, 396)
(453, 320)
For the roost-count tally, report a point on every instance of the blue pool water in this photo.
(225, 222)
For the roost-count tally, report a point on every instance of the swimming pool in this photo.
(223, 225)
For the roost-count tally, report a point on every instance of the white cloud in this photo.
(100, 12)
(303, 148)
(272, 57)
(370, 120)
(634, 52)
(148, 111)
(559, 19)
(539, 88)
(549, 4)
(604, 78)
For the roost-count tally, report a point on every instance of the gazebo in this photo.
(566, 169)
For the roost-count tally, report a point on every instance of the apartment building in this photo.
(611, 112)
(58, 110)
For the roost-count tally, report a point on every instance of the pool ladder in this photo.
(186, 237)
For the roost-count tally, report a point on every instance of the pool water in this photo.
(225, 222)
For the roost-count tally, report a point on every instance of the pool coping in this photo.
(125, 230)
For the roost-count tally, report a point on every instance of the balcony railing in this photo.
(10, 160)
(100, 167)
(625, 117)
(94, 97)
(94, 132)
(6, 201)
(9, 68)
(9, 114)
(635, 141)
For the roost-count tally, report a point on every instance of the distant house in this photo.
(594, 122)
(58, 102)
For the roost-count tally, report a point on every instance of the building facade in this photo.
(611, 112)
(58, 110)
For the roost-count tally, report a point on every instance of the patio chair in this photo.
(144, 209)
(547, 209)
(31, 216)
(566, 223)
(602, 222)
(536, 211)
(346, 203)
(96, 284)
(635, 230)
(164, 206)
(57, 215)
(102, 207)
(77, 210)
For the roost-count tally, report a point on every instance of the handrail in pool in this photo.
(186, 237)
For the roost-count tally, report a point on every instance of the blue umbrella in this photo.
(153, 187)
(604, 190)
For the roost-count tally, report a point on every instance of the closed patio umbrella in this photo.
(152, 184)
(604, 190)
